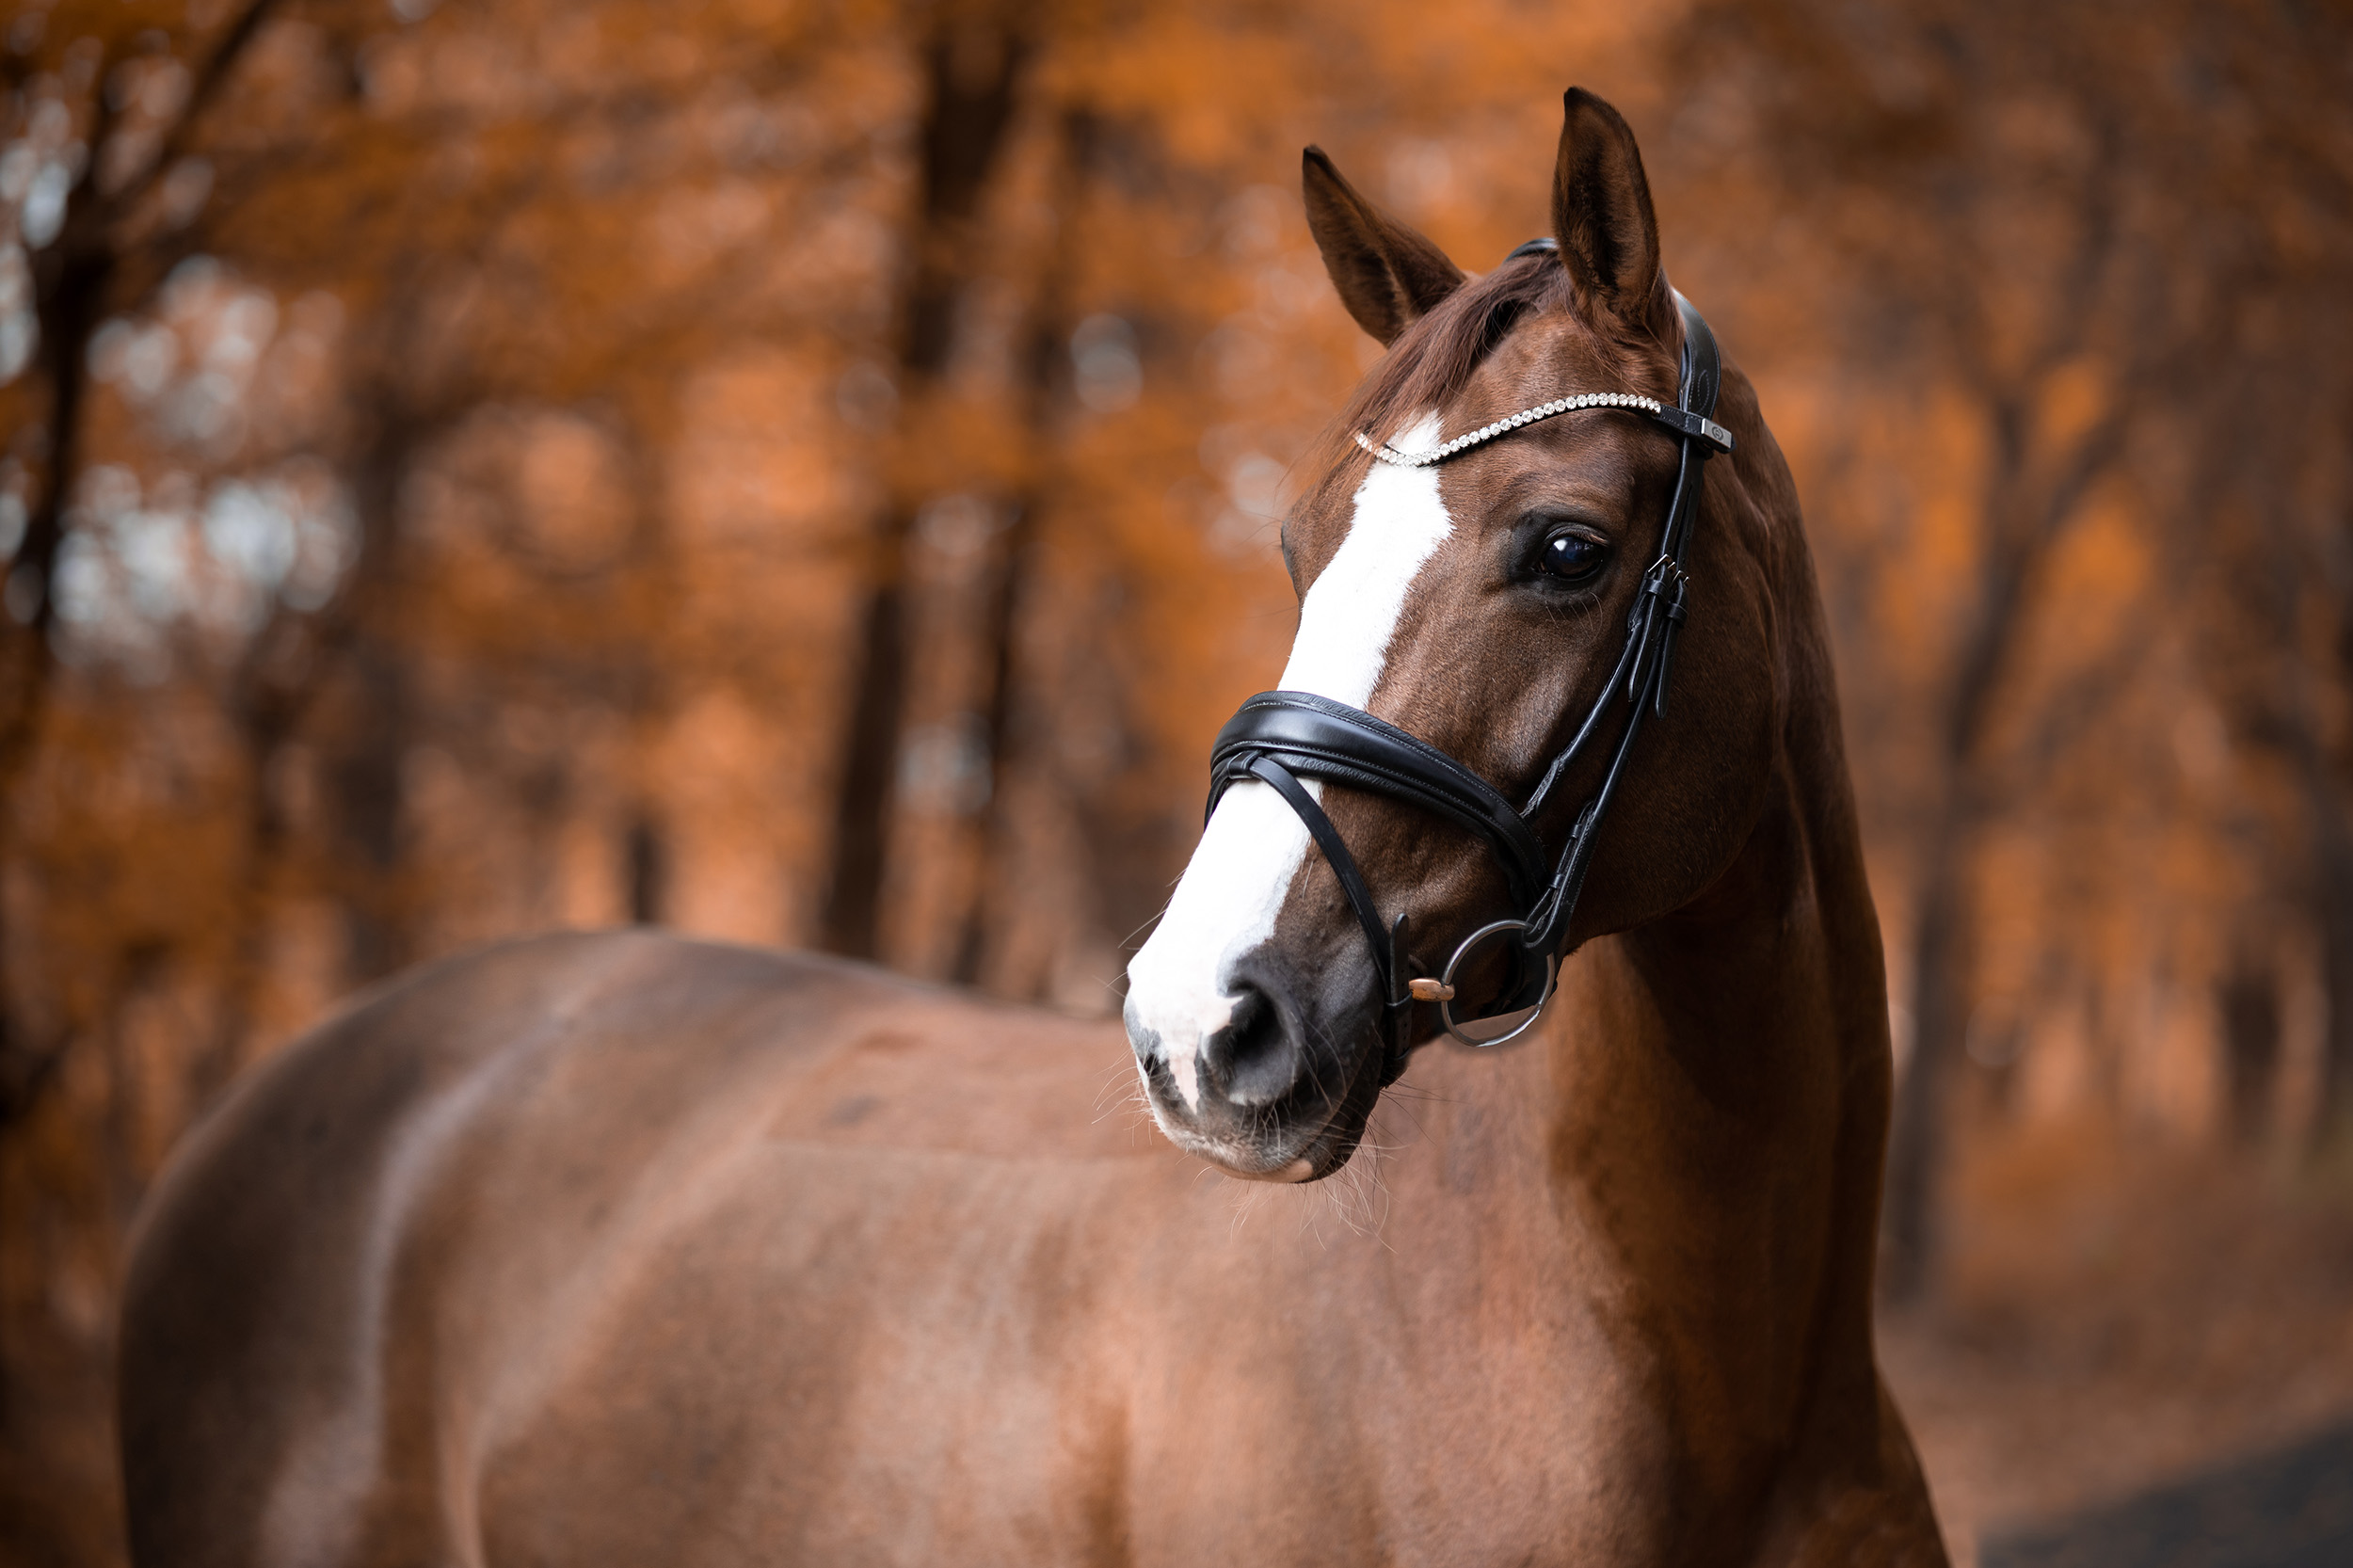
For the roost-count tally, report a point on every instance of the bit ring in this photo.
(1496, 1028)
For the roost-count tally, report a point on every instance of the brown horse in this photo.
(622, 1249)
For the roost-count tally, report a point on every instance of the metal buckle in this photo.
(1496, 1028)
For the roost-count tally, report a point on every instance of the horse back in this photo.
(428, 1192)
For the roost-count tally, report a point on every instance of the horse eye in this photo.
(1572, 556)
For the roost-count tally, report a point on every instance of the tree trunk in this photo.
(364, 795)
(1912, 1234)
(69, 311)
(74, 280)
(1943, 925)
(1002, 631)
(1047, 331)
(364, 759)
(973, 71)
(2329, 900)
(267, 707)
(2247, 999)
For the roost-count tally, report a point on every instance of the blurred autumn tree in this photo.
(2052, 257)
(809, 473)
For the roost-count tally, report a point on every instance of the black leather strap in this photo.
(1659, 612)
(1699, 427)
(1703, 363)
(1323, 739)
(1343, 864)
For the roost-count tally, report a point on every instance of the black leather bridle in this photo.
(1279, 738)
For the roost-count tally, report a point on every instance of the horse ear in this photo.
(1602, 216)
(1387, 276)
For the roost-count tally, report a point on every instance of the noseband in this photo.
(1278, 738)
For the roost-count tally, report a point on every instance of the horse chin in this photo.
(1323, 1156)
(1297, 1171)
(1290, 1163)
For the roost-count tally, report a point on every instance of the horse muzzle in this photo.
(1279, 1087)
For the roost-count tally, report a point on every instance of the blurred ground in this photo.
(2289, 1508)
(2121, 1320)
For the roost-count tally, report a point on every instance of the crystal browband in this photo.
(1677, 419)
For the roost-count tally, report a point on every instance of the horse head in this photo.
(1513, 543)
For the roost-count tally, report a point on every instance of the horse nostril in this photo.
(1143, 1041)
(1251, 1059)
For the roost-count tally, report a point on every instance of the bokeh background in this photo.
(808, 471)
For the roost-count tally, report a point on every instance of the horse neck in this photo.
(1720, 1091)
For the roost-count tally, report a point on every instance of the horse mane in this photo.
(1433, 360)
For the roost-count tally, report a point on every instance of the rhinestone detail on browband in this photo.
(1388, 453)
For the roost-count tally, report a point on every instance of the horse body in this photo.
(621, 1248)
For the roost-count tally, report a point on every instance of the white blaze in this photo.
(1233, 888)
